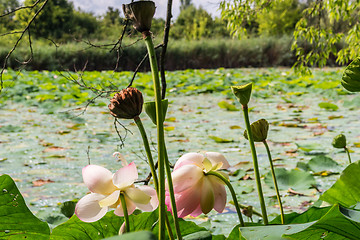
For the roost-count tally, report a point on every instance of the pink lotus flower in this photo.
(105, 190)
(196, 192)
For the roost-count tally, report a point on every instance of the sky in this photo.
(99, 7)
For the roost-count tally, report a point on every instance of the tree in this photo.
(84, 24)
(192, 23)
(7, 6)
(185, 4)
(317, 34)
(54, 22)
(280, 18)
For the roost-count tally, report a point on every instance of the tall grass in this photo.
(181, 54)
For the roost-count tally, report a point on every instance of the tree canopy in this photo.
(322, 29)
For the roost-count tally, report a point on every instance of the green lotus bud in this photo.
(150, 109)
(126, 104)
(259, 130)
(339, 141)
(351, 77)
(68, 208)
(243, 93)
(248, 211)
(141, 13)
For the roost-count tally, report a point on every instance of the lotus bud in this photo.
(122, 229)
(243, 93)
(339, 141)
(259, 130)
(248, 211)
(150, 109)
(127, 103)
(141, 13)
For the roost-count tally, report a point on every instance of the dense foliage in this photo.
(323, 25)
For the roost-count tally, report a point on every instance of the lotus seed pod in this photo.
(243, 93)
(140, 13)
(339, 141)
(127, 103)
(259, 130)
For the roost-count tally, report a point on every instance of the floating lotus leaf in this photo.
(351, 77)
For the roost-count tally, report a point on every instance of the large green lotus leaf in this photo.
(270, 232)
(310, 215)
(74, 228)
(333, 225)
(148, 221)
(16, 220)
(351, 77)
(353, 214)
(322, 163)
(141, 235)
(346, 190)
(295, 179)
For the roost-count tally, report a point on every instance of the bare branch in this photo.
(164, 48)
(20, 8)
(18, 41)
(122, 139)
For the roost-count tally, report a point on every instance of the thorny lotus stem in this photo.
(126, 215)
(275, 182)
(152, 166)
(255, 162)
(148, 152)
(348, 153)
(228, 184)
(172, 195)
(160, 132)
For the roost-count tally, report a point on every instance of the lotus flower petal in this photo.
(153, 203)
(88, 208)
(126, 176)
(186, 177)
(130, 206)
(219, 193)
(189, 158)
(196, 212)
(216, 158)
(207, 196)
(188, 201)
(110, 200)
(98, 179)
(137, 196)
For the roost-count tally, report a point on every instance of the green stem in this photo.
(228, 184)
(152, 167)
(275, 182)
(172, 196)
(255, 162)
(160, 132)
(126, 215)
(348, 153)
(148, 152)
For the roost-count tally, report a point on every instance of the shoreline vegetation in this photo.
(181, 54)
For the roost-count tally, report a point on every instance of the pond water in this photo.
(45, 153)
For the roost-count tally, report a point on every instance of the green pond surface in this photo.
(44, 149)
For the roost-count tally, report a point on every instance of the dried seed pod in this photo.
(126, 104)
(141, 13)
